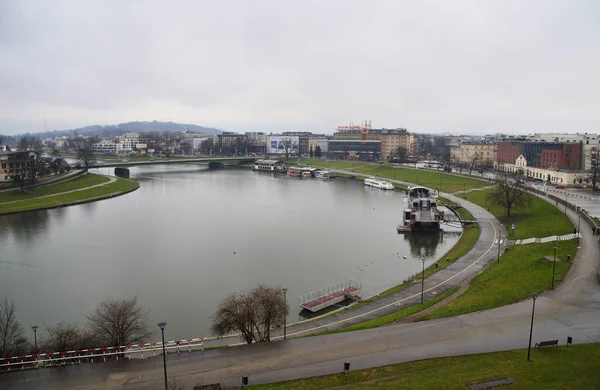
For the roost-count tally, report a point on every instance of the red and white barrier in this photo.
(103, 352)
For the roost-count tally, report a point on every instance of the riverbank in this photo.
(82, 189)
(574, 367)
(441, 181)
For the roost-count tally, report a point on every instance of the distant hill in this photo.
(121, 128)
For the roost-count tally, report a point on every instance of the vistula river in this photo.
(190, 236)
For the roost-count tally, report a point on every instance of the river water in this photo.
(190, 236)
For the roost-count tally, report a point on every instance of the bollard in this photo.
(346, 367)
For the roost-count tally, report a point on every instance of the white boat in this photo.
(378, 183)
(324, 174)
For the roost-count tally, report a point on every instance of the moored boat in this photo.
(420, 210)
(378, 183)
(324, 174)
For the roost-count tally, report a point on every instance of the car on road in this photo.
(560, 187)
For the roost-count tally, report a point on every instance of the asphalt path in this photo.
(573, 309)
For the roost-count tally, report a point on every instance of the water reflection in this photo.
(24, 228)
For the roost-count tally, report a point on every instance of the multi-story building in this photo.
(390, 139)
(557, 155)
(16, 163)
(107, 147)
(480, 153)
(318, 140)
(369, 150)
(303, 137)
(132, 141)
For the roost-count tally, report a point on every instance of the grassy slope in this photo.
(575, 367)
(518, 275)
(32, 204)
(449, 183)
(541, 219)
(30, 193)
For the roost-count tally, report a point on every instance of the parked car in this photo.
(560, 187)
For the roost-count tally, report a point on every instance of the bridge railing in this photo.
(102, 354)
(313, 295)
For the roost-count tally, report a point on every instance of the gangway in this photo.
(329, 296)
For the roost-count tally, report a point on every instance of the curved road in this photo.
(571, 310)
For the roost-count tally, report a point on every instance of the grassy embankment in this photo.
(34, 198)
(434, 180)
(520, 272)
(574, 367)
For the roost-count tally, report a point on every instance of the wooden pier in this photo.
(329, 296)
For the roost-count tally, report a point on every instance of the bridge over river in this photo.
(215, 162)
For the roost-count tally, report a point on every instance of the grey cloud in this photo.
(463, 66)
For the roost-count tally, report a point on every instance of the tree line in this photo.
(114, 322)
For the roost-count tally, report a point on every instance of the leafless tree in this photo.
(65, 337)
(119, 322)
(83, 147)
(11, 331)
(509, 194)
(287, 146)
(472, 162)
(252, 313)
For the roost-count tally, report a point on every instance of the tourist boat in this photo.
(295, 171)
(378, 183)
(324, 174)
(420, 211)
(269, 166)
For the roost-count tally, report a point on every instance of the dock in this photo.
(329, 296)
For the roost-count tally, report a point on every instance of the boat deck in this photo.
(329, 296)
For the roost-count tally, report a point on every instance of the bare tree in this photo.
(253, 313)
(119, 322)
(472, 162)
(11, 331)
(23, 143)
(287, 146)
(509, 194)
(83, 147)
(594, 176)
(65, 337)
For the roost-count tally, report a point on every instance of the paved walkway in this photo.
(535, 240)
(112, 180)
(573, 309)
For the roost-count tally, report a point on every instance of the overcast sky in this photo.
(430, 66)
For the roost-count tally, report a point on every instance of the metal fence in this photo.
(102, 354)
(313, 295)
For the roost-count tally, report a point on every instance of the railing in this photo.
(100, 354)
(311, 296)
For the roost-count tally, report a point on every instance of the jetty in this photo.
(329, 296)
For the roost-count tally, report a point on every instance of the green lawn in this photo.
(73, 184)
(541, 219)
(573, 367)
(120, 185)
(448, 183)
(519, 274)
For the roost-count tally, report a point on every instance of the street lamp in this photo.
(422, 280)
(566, 201)
(578, 226)
(35, 328)
(553, 266)
(534, 296)
(162, 326)
(499, 241)
(284, 312)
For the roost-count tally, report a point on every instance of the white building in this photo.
(107, 147)
(132, 141)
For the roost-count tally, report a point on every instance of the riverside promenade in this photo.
(573, 309)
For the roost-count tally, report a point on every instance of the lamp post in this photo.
(553, 266)
(499, 241)
(162, 326)
(566, 201)
(486, 198)
(284, 312)
(35, 328)
(578, 226)
(534, 296)
(422, 281)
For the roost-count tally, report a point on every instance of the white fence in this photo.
(93, 355)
